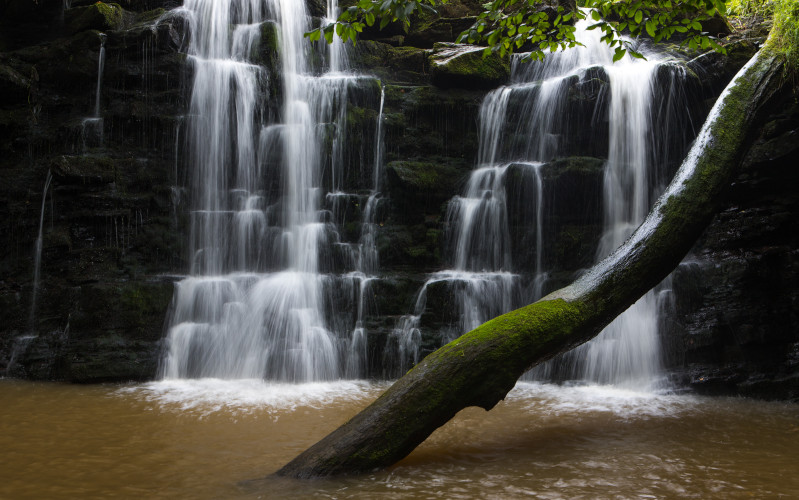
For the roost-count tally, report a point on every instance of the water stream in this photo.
(525, 125)
(92, 126)
(37, 255)
(268, 191)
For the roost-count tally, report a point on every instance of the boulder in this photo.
(97, 16)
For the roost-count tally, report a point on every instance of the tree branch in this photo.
(479, 368)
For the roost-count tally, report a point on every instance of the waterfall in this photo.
(627, 352)
(269, 270)
(523, 126)
(100, 69)
(92, 127)
(37, 255)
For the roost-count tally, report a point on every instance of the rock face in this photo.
(736, 328)
(111, 228)
(114, 224)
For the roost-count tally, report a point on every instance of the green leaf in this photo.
(595, 15)
(620, 52)
(650, 27)
(639, 16)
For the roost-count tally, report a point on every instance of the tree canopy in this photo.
(537, 26)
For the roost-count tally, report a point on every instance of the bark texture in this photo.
(479, 368)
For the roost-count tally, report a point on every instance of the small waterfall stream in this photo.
(274, 291)
(92, 126)
(37, 255)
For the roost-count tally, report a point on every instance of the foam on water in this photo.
(210, 395)
(560, 400)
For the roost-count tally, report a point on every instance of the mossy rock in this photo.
(268, 50)
(464, 66)
(98, 16)
(317, 8)
(428, 176)
(391, 63)
(426, 35)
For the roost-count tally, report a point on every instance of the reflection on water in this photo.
(210, 439)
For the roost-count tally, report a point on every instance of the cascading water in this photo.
(523, 126)
(92, 127)
(627, 352)
(37, 255)
(268, 262)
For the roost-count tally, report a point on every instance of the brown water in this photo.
(210, 439)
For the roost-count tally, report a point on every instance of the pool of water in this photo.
(215, 439)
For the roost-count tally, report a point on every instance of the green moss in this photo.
(424, 175)
(464, 67)
(150, 16)
(785, 36)
(529, 324)
(98, 16)
(111, 12)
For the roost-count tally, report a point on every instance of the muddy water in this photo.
(210, 439)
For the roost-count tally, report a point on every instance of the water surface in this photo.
(214, 439)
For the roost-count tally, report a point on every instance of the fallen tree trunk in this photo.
(480, 367)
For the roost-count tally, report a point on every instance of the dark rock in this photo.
(317, 8)
(736, 299)
(391, 64)
(97, 16)
(464, 66)
(426, 35)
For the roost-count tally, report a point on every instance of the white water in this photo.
(37, 255)
(260, 301)
(100, 70)
(523, 126)
(92, 126)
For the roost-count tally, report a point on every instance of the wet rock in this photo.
(14, 86)
(737, 328)
(426, 35)
(317, 8)
(391, 64)
(97, 16)
(83, 170)
(464, 66)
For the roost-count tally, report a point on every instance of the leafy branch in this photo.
(532, 26)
